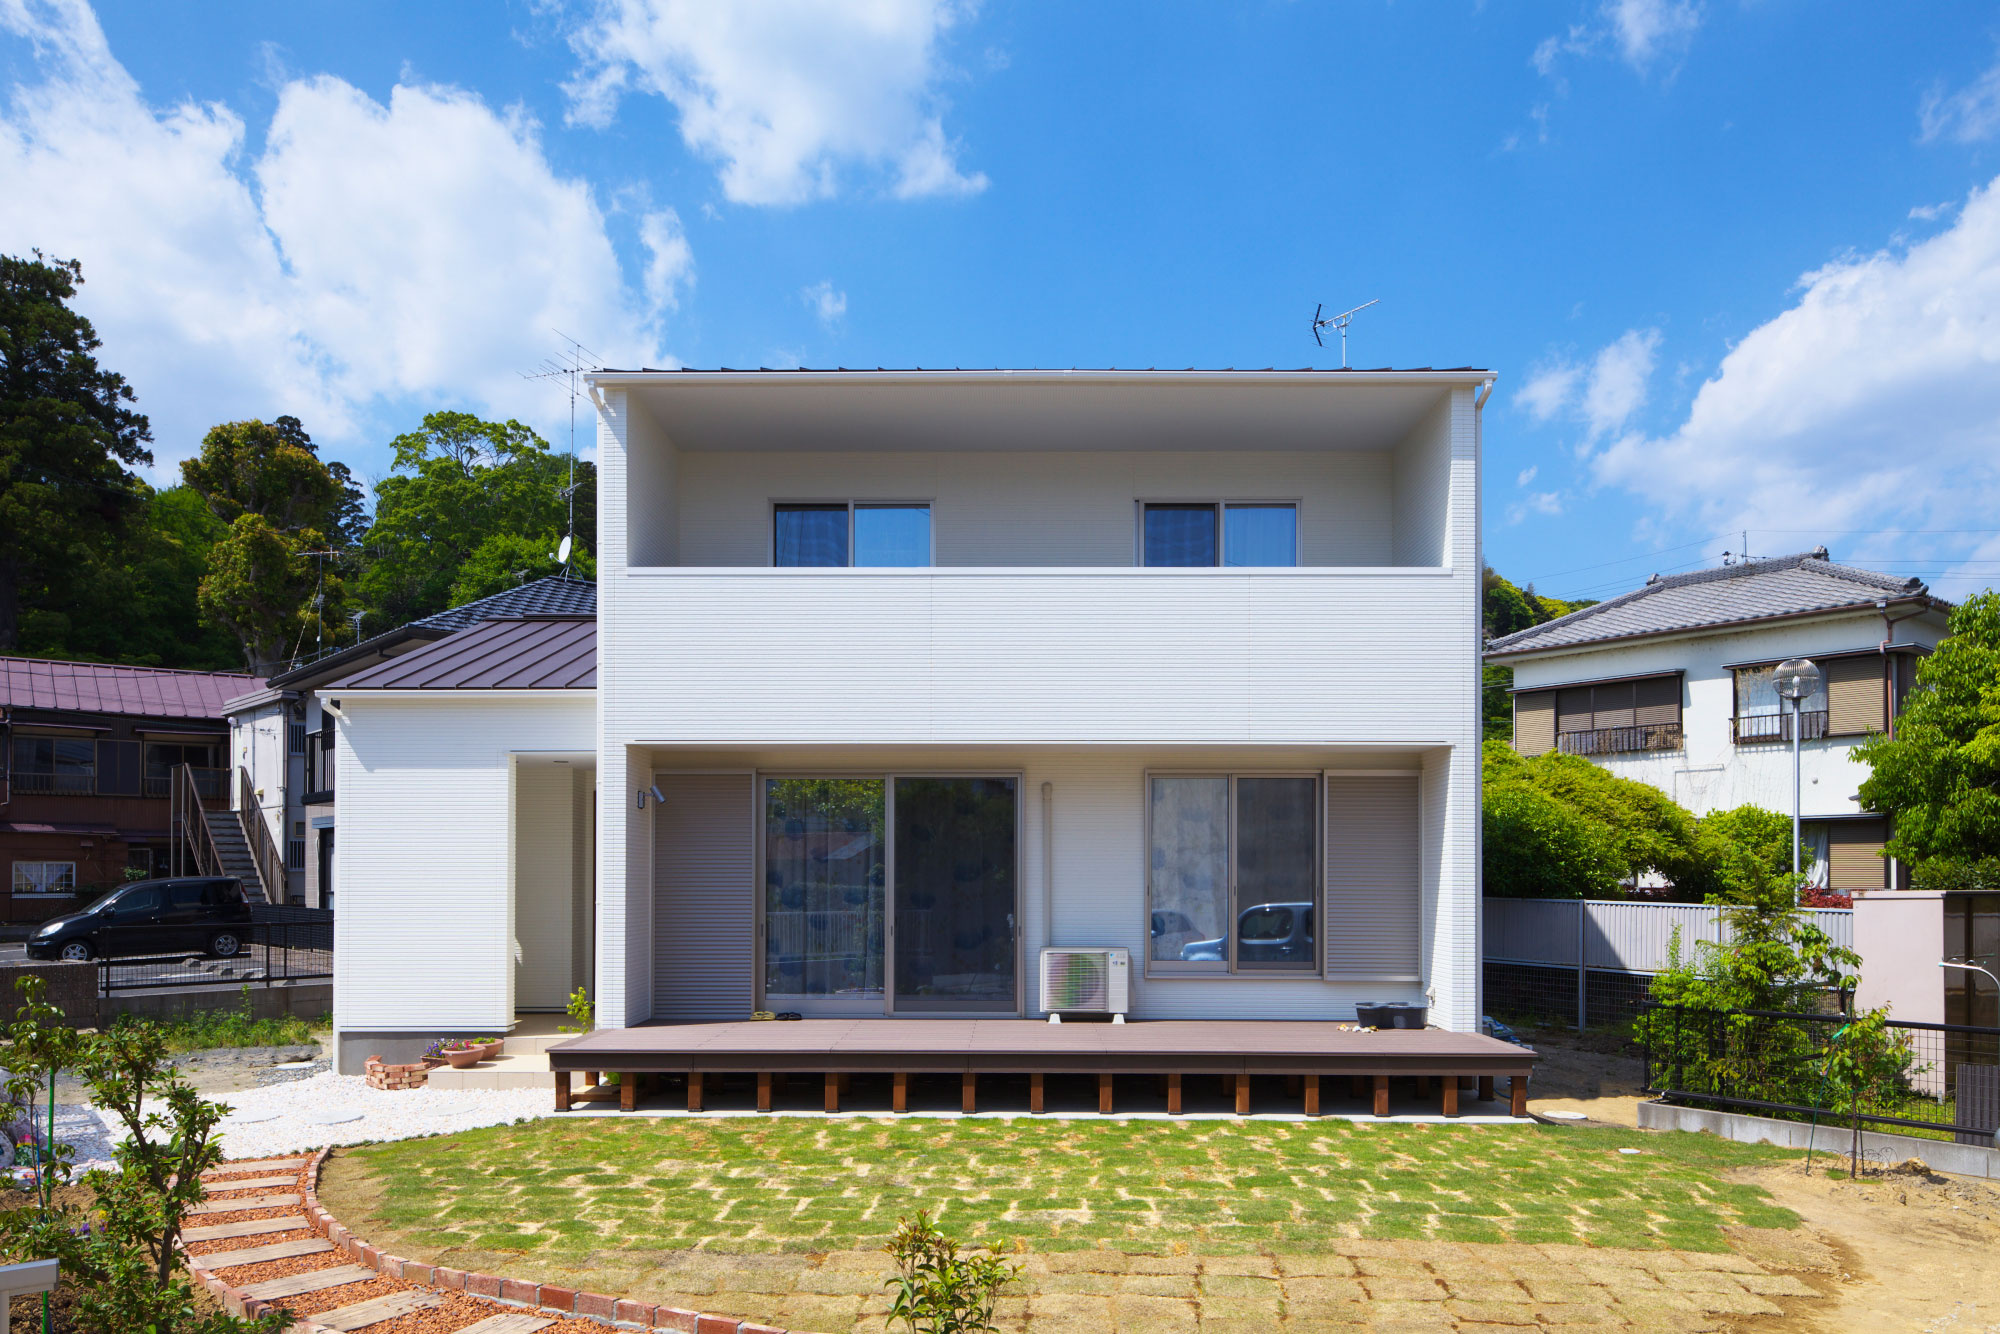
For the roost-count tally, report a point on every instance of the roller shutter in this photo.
(1854, 696)
(1657, 701)
(1611, 705)
(1854, 855)
(1535, 722)
(1374, 890)
(703, 848)
(1573, 710)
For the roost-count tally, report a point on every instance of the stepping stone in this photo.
(249, 1227)
(256, 1164)
(247, 1202)
(254, 1255)
(376, 1309)
(252, 1183)
(507, 1324)
(292, 1285)
(249, 1118)
(335, 1118)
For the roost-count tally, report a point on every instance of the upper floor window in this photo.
(1190, 534)
(851, 533)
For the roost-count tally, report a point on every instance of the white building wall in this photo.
(1712, 772)
(423, 939)
(544, 882)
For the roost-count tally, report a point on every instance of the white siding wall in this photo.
(1422, 476)
(1712, 772)
(423, 938)
(1035, 508)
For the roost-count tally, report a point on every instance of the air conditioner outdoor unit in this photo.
(1080, 981)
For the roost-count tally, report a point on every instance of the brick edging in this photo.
(546, 1297)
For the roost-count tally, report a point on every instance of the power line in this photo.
(1626, 560)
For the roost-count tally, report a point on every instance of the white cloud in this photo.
(1871, 404)
(1526, 476)
(1544, 504)
(1604, 394)
(789, 96)
(827, 305)
(1929, 212)
(1549, 390)
(420, 249)
(1651, 30)
(1968, 115)
(669, 258)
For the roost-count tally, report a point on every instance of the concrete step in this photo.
(526, 1070)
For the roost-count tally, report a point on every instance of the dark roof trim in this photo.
(1586, 646)
(310, 674)
(1597, 681)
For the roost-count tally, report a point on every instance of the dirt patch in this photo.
(1901, 1248)
(1597, 1074)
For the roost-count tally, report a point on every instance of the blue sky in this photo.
(1736, 265)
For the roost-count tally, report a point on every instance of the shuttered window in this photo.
(1657, 701)
(1374, 892)
(1573, 710)
(1653, 701)
(1535, 721)
(1854, 696)
(1854, 855)
(703, 849)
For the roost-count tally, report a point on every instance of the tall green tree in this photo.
(1939, 776)
(471, 507)
(268, 581)
(1504, 610)
(68, 438)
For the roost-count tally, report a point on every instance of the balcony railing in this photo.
(210, 784)
(319, 765)
(1619, 740)
(1755, 729)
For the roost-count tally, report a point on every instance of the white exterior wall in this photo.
(258, 745)
(544, 879)
(1028, 651)
(1712, 772)
(423, 939)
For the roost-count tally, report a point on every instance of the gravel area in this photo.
(304, 1114)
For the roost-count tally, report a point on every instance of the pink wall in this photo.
(1900, 936)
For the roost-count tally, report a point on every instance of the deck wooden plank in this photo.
(377, 1309)
(249, 1227)
(276, 1250)
(246, 1202)
(313, 1280)
(514, 1322)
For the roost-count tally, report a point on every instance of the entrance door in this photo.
(889, 894)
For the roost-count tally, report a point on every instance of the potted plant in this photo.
(462, 1052)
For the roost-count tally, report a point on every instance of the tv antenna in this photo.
(1340, 322)
(568, 366)
(1739, 557)
(319, 560)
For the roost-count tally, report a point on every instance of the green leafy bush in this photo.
(237, 1027)
(937, 1291)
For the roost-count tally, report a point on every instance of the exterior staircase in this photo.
(232, 845)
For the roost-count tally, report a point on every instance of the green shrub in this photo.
(936, 1290)
(237, 1027)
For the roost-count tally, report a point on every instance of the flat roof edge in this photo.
(1468, 377)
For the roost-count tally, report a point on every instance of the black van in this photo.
(185, 915)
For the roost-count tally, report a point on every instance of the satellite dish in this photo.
(562, 551)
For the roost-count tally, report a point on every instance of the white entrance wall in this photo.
(1097, 894)
(425, 861)
(546, 882)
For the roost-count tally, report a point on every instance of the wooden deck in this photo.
(1303, 1052)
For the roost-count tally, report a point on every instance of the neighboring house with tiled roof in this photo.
(88, 751)
(285, 745)
(1670, 684)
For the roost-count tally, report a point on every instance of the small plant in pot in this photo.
(462, 1052)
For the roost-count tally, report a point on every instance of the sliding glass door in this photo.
(955, 910)
(890, 894)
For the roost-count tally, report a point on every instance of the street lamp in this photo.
(1795, 679)
(1970, 968)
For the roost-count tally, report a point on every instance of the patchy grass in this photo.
(557, 1192)
(233, 1028)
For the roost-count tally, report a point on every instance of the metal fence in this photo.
(1533, 947)
(1927, 1076)
(279, 945)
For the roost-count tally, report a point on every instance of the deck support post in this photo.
(1312, 1094)
(1173, 1095)
(899, 1092)
(1381, 1095)
(1104, 1094)
(968, 1093)
(1035, 1093)
(1243, 1095)
(628, 1091)
(1423, 1086)
(763, 1090)
(562, 1090)
(1357, 1086)
(1486, 1088)
(696, 1083)
(1517, 1091)
(832, 1091)
(590, 1079)
(1451, 1095)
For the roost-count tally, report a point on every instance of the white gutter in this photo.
(1472, 378)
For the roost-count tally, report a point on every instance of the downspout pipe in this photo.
(1889, 624)
(1048, 880)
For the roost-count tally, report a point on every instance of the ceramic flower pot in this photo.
(461, 1057)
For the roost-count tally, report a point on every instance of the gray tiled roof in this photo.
(1753, 591)
(553, 596)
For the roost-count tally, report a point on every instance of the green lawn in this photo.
(558, 1191)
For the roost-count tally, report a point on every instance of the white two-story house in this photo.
(899, 677)
(1671, 684)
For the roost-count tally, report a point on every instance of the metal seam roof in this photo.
(515, 654)
(102, 687)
